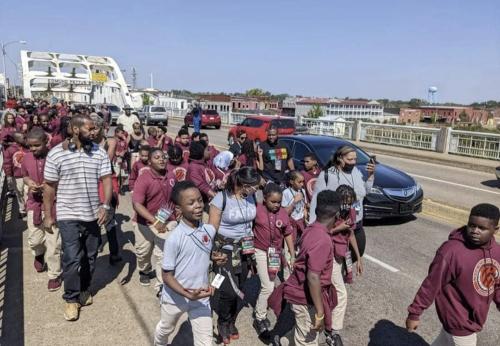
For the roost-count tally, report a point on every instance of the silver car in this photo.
(154, 115)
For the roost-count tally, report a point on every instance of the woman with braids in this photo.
(232, 212)
(342, 170)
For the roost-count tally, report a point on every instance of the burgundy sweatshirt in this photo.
(463, 280)
(200, 174)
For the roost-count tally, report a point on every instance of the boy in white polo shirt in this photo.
(185, 266)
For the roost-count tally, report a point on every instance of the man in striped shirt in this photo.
(73, 169)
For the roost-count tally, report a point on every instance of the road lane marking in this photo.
(455, 184)
(380, 263)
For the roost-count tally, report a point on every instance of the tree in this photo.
(146, 100)
(315, 112)
(255, 92)
(415, 103)
(463, 116)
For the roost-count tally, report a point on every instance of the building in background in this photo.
(220, 103)
(409, 116)
(288, 106)
(345, 108)
(74, 77)
(453, 114)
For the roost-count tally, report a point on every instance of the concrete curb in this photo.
(453, 215)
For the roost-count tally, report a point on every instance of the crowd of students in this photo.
(206, 221)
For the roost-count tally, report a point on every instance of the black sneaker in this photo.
(224, 333)
(260, 326)
(233, 331)
(267, 323)
(144, 279)
(276, 340)
(333, 339)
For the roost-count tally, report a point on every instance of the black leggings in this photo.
(225, 301)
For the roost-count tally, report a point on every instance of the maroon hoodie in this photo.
(201, 174)
(463, 280)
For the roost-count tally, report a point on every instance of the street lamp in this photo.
(3, 45)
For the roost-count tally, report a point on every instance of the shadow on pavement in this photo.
(491, 183)
(11, 278)
(390, 222)
(184, 336)
(386, 333)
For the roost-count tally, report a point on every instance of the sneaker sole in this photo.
(54, 289)
(70, 319)
(145, 284)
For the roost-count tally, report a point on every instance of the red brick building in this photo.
(450, 114)
(409, 116)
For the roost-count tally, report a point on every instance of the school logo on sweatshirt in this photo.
(486, 274)
(180, 173)
(17, 158)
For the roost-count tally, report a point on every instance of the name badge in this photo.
(163, 214)
(217, 281)
(273, 261)
(247, 247)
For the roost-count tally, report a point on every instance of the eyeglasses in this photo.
(243, 138)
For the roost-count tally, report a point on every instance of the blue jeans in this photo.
(80, 241)
(197, 124)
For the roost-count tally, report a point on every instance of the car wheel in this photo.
(217, 127)
(230, 140)
(361, 240)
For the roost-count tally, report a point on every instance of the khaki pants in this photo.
(303, 335)
(200, 317)
(266, 285)
(17, 185)
(41, 242)
(338, 312)
(446, 339)
(149, 249)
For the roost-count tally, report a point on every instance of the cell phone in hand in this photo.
(373, 159)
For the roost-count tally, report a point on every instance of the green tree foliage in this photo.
(146, 100)
(315, 112)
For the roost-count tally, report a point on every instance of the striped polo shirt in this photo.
(77, 174)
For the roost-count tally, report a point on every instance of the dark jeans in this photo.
(227, 300)
(80, 241)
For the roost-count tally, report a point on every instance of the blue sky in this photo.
(375, 49)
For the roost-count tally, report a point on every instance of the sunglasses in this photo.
(243, 138)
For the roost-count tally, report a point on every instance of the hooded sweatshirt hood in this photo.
(463, 280)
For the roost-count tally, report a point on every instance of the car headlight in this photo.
(418, 187)
(376, 190)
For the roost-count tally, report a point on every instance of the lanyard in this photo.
(271, 228)
(197, 242)
(244, 216)
(345, 176)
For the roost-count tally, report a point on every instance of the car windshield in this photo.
(158, 109)
(113, 108)
(283, 123)
(210, 112)
(326, 150)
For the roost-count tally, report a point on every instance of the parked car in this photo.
(154, 115)
(114, 109)
(208, 118)
(498, 172)
(394, 193)
(256, 127)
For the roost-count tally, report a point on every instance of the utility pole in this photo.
(4, 53)
(152, 87)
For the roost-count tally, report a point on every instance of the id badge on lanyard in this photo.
(163, 214)
(348, 262)
(247, 247)
(273, 260)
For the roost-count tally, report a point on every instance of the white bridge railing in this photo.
(444, 140)
(475, 144)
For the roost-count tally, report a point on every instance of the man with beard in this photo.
(73, 169)
(276, 157)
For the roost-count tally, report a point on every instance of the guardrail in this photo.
(475, 144)
(342, 129)
(403, 136)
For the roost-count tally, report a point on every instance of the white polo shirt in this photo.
(128, 122)
(187, 253)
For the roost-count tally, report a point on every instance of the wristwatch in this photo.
(105, 207)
